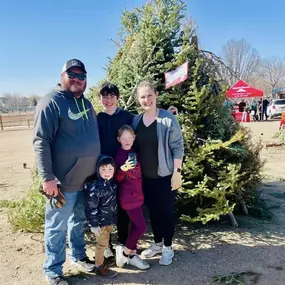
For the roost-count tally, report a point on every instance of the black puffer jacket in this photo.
(100, 201)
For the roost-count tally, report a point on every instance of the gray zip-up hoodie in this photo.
(170, 141)
(66, 139)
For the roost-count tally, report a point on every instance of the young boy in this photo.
(100, 210)
(109, 122)
(111, 119)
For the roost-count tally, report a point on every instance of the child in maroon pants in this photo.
(131, 198)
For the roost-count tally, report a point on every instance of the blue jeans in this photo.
(70, 220)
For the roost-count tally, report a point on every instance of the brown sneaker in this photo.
(104, 271)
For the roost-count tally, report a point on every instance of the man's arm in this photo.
(45, 128)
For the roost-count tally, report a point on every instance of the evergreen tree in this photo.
(221, 167)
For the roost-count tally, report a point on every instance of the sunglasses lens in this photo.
(81, 76)
(71, 75)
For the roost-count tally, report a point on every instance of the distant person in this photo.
(228, 104)
(265, 104)
(253, 109)
(100, 209)
(241, 106)
(67, 146)
(259, 110)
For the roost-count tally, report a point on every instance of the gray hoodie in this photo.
(170, 141)
(66, 139)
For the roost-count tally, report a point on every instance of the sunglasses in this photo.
(80, 76)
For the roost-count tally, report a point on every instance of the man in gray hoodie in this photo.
(66, 144)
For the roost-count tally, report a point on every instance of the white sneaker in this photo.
(121, 260)
(167, 255)
(138, 262)
(108, 253)
(151, 251)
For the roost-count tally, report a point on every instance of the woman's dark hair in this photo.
(108, 88)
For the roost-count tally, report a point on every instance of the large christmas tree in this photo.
(221, 168)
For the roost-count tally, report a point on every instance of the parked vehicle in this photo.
(275, 108)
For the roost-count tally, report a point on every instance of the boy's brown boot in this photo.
(104, 271)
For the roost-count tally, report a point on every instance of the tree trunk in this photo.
(233, 220)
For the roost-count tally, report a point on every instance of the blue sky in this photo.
(38, 36)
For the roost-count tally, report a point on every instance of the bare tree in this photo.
(258, 82)
(273, 72)
(15, 102)
(240, 57)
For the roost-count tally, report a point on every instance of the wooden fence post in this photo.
(28, 117)
(1, 123)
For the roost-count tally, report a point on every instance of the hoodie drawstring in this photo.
(84, 109)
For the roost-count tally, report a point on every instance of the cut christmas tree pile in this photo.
(221, 169)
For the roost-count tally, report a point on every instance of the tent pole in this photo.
(261, 108)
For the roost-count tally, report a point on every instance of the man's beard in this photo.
(76, 89)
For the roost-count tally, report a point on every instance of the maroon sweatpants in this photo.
(137, 227)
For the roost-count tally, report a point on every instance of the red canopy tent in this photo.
(242, 90)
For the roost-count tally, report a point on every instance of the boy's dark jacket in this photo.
(100, 201)
(108, 129)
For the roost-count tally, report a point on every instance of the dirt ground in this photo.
(256, 249)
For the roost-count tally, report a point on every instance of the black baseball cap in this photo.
(73, 63)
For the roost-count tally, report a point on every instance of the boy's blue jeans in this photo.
(70, 220)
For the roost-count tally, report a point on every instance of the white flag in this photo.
(176, 76)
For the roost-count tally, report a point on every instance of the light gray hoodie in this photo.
(170, 141)
(66, 139)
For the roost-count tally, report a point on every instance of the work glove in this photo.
(55, 201)
(129, 164)
(96, 231)
(176, 180)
